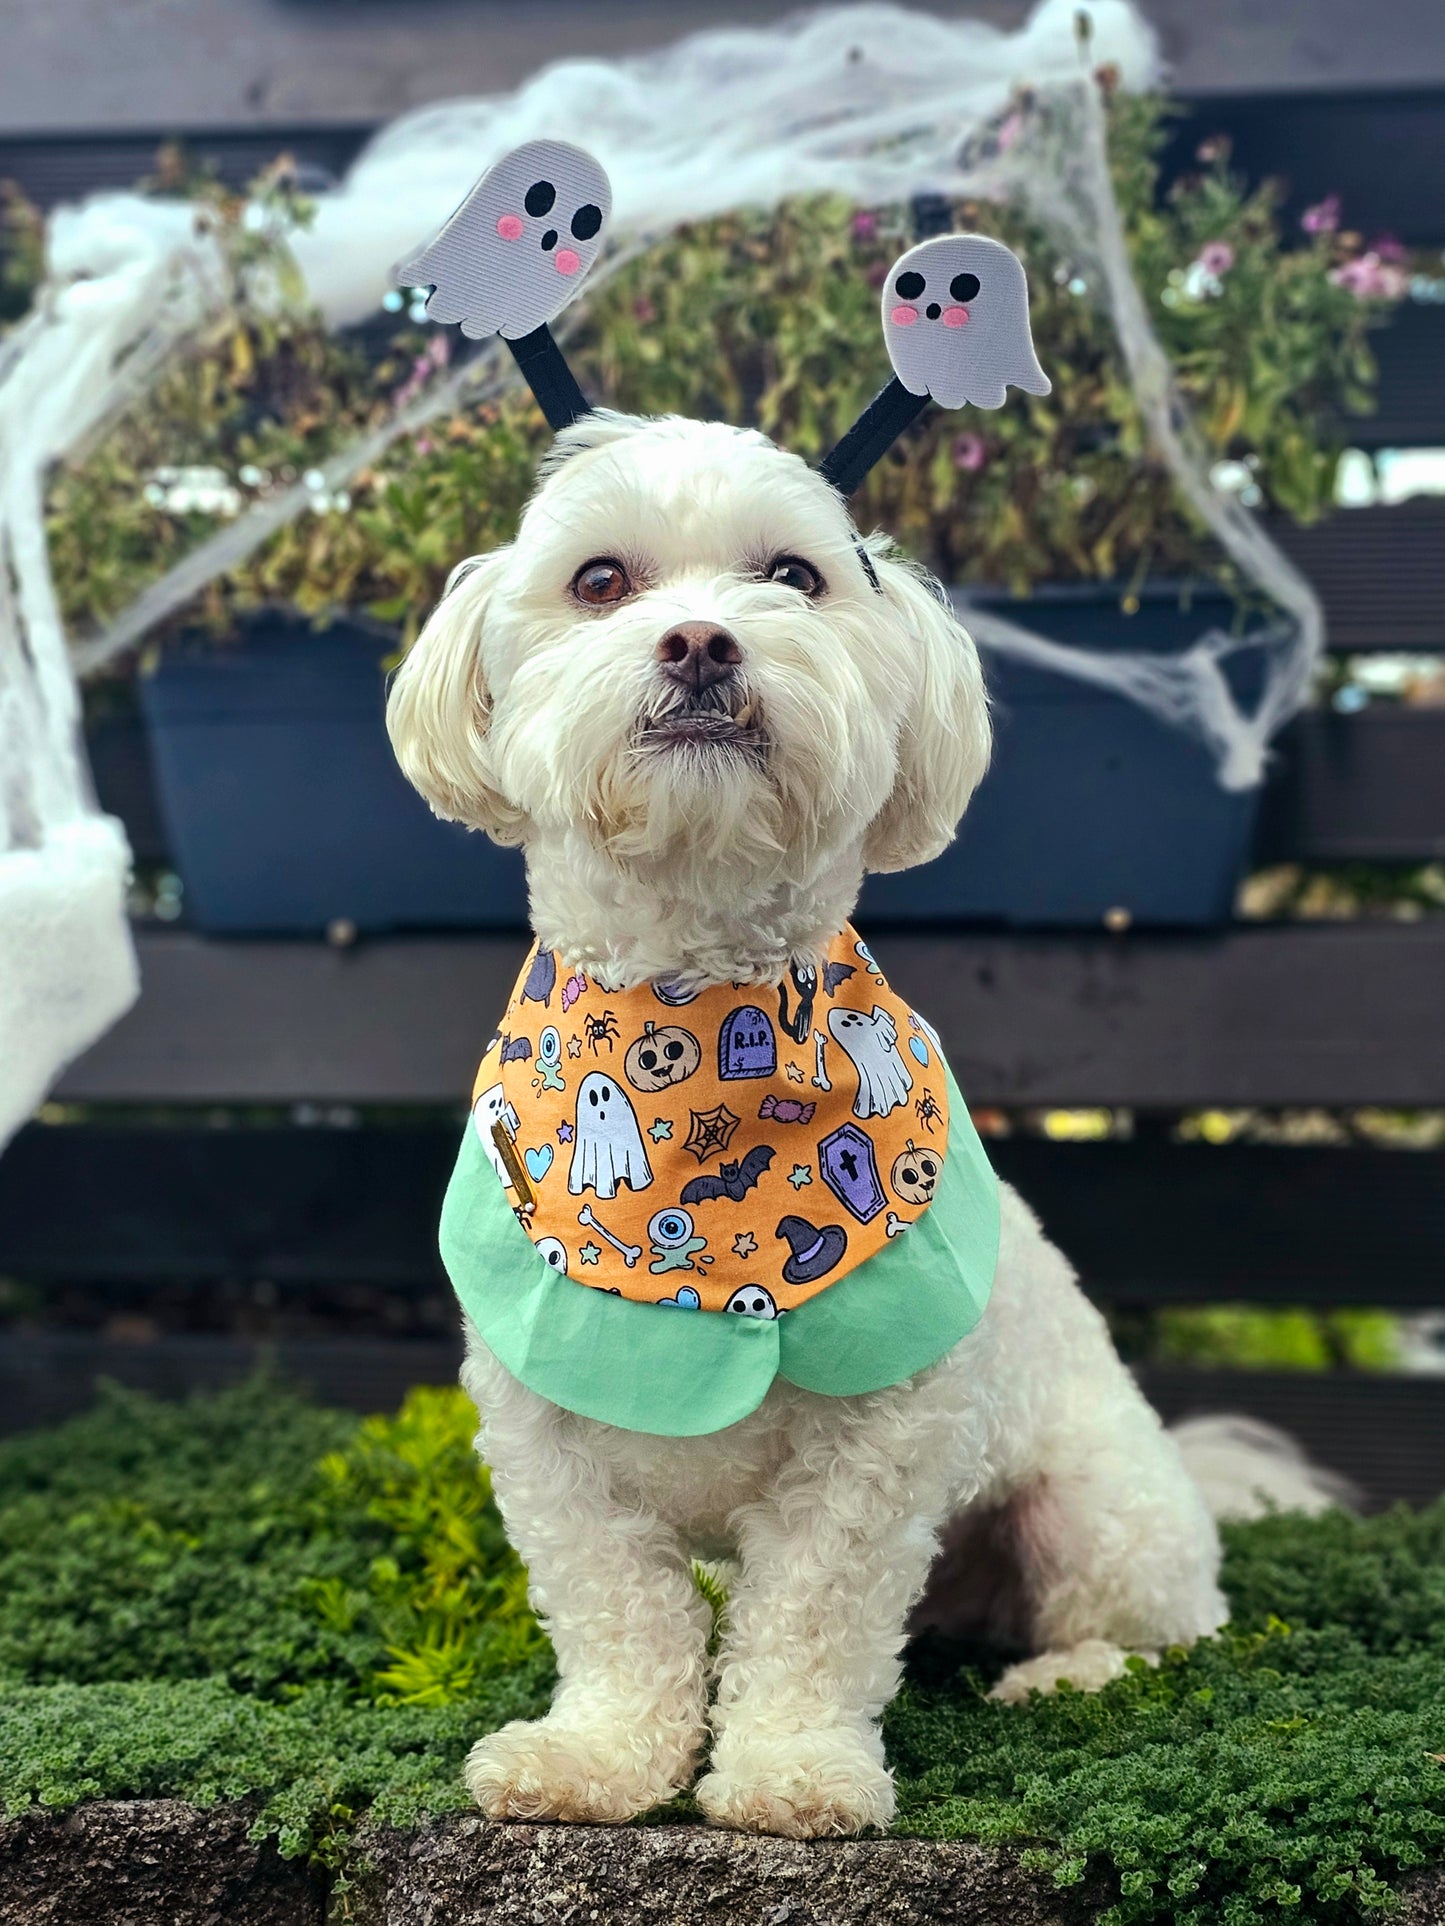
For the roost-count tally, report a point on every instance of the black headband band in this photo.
(517, 250)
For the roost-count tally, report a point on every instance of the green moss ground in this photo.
(251, 1596)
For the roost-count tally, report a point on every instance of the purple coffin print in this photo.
(850, 1170)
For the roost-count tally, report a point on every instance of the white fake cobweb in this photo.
(874, 102)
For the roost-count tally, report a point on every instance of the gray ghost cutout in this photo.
(956, 322)
(520, 245)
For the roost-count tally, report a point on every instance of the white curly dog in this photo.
(681, 693)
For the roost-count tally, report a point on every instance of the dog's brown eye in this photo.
(601, 582)
(794, 573)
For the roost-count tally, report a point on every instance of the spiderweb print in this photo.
(711, 1132)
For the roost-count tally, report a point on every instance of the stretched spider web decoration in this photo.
(873, 102)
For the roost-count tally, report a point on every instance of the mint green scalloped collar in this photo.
(679, 1373)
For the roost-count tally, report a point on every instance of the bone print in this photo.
(629, 1253)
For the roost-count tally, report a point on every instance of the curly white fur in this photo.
(530, 716)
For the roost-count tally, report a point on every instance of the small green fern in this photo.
(449, 1601)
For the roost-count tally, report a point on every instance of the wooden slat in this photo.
(1159, 1223)
(1385, 1434)
(51, 168)
(1319, 1014)
(1377, 147)
(1364, 788)
(1147, 1222)
(1380, 573)
(1410, 353)
(47, 1376)
(192, 1206)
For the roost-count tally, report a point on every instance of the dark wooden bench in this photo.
(1329, 1015)
(1268, 1016)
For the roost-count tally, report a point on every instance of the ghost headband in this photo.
(956, 325)
(517, 250)
(513, 255)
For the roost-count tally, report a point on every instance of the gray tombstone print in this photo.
(519, 246)
(956, 322)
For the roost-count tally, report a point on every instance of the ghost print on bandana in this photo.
(608, 1149)
(761, 1156)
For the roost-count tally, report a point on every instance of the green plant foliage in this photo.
(450, 1599)
(1244, 1337)
(1287, 1770)
(246, 1596)
(772, 319)
(22, 251)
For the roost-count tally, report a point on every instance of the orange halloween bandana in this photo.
(739, 1149)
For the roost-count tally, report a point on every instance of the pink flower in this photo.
(1369, 278)
(425, 445)
(1215, 148)
(969, 453)
(643, 310)
(1323, 217)
(865, 225)
(1216, 258)
(1009, 130)
(1389, 248)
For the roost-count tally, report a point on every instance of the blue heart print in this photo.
(539, 1162)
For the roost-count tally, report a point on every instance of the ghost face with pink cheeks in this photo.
(519, 246)
(956, 321)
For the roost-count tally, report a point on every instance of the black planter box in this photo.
(1092, 810)
(285, 811)
(282, 801)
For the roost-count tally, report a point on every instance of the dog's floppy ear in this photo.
(944, 741)
(438, 712)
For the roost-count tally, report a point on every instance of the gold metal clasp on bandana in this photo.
(516, 1169)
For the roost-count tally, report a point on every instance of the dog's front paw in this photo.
(801, 1785)
(1088, 1667)
(545, 1769)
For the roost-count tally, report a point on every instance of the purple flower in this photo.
(865, 225)
(1369, 278)
(1216, 258)
(1389, 247)
(643, 310)
(970, 452)
(1323, 217)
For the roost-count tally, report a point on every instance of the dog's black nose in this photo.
(698, 654)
